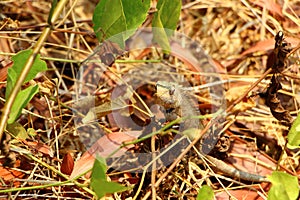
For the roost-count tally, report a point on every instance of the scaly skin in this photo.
(177, 103)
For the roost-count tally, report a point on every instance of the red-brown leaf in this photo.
(7, 175)
(104, 147)
(270, 5)
(67, 164)
(40, 147)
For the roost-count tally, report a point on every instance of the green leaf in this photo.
(11, 80)
(20, 60)
(14, 72)
(102, 187)
(205, 193)
(109, 19)
(284, 186)
(17, 130)
(21, 101)
(135, 12)
(169, 13)
(159, 35)
(99, 169)
(294, 134)
(166, 18)
(98, 180)
(112, 17)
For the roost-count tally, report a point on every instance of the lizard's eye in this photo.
(171, 90)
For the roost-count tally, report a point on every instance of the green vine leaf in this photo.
(165, 19)
(169, 13)
(284, 186)
(22, 99)
(24, 96)
(294, 134)
(205, 193)
(112, 17)
(98, 180)
(20, 60)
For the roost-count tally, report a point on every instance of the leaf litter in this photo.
(239, 36)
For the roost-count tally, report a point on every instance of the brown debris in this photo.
(274, 103)
(281, 50)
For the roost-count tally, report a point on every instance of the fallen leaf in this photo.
(8, 175)
(40, 147)
(67, 164)
(244, 193)
(270, 5)
(104, 147)
(245, 163)
(263, 46)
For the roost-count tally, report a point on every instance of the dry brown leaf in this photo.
(8, 174)
(244, 163)
(67, 164)
(271, 5)
(244, 193)
(104, 147)
(40, 147)
(39, 103)
(3, 74)
(263, 46)
(119, 104)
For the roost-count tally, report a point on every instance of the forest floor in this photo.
(233, 43)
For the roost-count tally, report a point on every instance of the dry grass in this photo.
(237, 35)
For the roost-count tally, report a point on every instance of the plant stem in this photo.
(9, 103)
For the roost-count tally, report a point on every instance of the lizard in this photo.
(177, 103)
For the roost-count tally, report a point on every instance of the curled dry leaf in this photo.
(120, 104)
(272, 101)
(47, 86)
(109, 51)
(281, 50)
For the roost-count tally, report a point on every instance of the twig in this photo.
(153, 172)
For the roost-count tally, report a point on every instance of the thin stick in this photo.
(153, 173)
